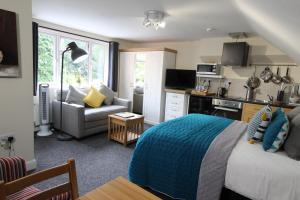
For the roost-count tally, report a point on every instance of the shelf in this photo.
(211, 76)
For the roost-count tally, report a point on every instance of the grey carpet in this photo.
(97, 159)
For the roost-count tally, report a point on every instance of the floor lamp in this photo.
(77, 55)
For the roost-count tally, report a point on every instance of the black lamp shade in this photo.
(77, 54)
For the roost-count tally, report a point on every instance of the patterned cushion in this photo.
(12, 168)
(24, 194)
(277, 132)
(259, 134)
(256, 121)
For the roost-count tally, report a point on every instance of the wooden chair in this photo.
(7, 190)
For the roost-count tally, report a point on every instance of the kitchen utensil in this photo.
(277, 78)
(287, 79)
(280, 96)
(222, 91)
(253, 81)
(266, 75)
(249, 93)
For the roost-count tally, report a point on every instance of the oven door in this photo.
(231, 113)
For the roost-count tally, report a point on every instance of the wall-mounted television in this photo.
(180, 79)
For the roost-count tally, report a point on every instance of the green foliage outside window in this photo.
(46, 57)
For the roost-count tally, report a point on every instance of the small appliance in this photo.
(208, 69)
(44, 110)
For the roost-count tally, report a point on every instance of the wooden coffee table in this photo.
(125, 130)
(119, 189)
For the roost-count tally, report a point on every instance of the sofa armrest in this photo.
(73, 118)
(12, 168)
(123, 102)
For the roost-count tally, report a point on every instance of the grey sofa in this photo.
(80, 121)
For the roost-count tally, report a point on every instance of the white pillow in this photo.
(75, 96)
(106, 91)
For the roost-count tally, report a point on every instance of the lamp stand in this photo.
(62, 136)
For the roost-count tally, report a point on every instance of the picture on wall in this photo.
(9, 60)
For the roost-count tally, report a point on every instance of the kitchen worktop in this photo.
(241, 99)
(255, 101)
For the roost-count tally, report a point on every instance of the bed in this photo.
(257, 174)
(193, 157)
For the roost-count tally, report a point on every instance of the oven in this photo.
(227, 108)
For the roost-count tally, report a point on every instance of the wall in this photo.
(16, 109)
(190, 53)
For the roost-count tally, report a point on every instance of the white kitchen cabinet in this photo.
(176, 105)
(156, 63)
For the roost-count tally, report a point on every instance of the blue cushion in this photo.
(276, 132)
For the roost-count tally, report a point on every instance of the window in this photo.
(92, 71)
(140, 59)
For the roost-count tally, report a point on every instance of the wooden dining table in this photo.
(119, 189)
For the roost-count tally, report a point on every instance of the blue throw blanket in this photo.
(167, 157)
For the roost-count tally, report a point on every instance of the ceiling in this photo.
(187, 20)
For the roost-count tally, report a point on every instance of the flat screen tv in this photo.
(180, 79)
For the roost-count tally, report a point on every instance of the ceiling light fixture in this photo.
(154, 18)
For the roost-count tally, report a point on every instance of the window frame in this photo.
(58, 53)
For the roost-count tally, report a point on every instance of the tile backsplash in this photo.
(239, 76)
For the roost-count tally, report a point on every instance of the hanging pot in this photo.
(277, 78)
(287, 79)
(253, 81)
(266, 75)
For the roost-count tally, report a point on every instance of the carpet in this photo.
(97, 159)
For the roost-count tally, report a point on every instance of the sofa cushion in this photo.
(95, 114)
(106, 91)
(75, 96)
(94, 98)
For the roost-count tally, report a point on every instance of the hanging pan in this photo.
(287, 79)
(266, 75)
(277, 78)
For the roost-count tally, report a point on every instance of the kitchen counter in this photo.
(241, 99)
(260, 102)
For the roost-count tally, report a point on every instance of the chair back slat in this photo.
(48, 194)
(17, 185)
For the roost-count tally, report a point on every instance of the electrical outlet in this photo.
(6, 140)
(5, 137)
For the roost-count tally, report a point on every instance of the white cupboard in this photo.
(156, 63)
(176, 105)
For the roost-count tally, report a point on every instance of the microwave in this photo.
(208, 69)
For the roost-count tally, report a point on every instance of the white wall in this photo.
(191, 53)
(16, 108)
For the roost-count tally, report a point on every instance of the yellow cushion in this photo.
(94, 98)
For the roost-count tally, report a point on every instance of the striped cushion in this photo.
(24, 194)
(256, 120)
(31, 191)
(12, 168)
(64, 196)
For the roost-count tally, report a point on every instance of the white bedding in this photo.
(261, 175)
